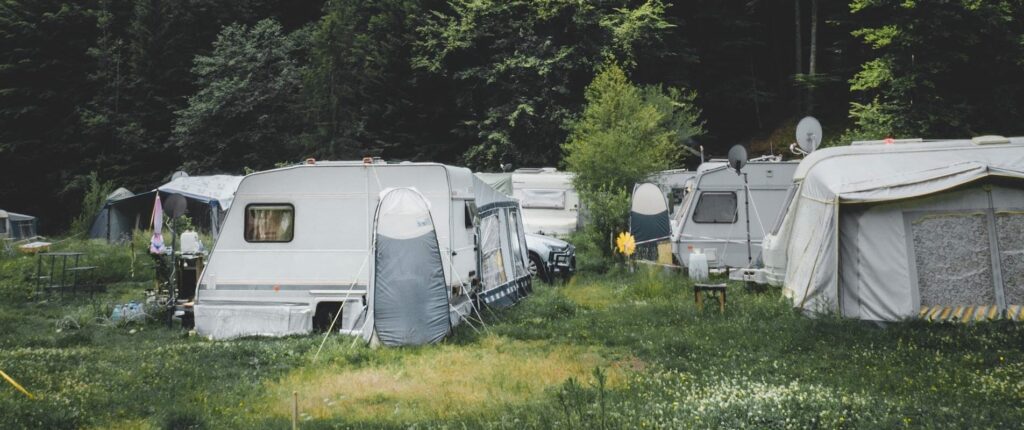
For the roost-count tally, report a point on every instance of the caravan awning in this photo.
(216, 188)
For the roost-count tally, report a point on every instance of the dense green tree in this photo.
(364, 93)
(939, 69)
(625, 133)
(519, 67)
(248, 110)
(43, 83)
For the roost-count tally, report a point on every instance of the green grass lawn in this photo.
(604, 351)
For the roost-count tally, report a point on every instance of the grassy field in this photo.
(616, 350)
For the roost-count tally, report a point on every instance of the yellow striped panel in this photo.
(967, 313)
(945, 313)
(981, 313)
(958, 314)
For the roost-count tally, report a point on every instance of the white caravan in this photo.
(296, 247)
(890, 231)
(550, 204)
(713, 218)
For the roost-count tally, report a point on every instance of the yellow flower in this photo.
(626, 244)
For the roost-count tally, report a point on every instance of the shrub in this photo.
(96, 193)
(626, 133)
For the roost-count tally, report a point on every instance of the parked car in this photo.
(550, 257)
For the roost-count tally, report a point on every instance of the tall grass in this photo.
(604, 351)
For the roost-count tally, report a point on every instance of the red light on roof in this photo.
(889, 141)
(311, 161)
(367, 160)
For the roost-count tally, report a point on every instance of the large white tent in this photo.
(878, 232)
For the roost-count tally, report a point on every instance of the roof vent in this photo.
(990, 140)
(889, 141)
(536, 170)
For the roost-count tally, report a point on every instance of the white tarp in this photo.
(218, 188)
(844, 247)
(228, 322)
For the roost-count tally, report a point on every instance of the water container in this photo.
(698, 267)
(190, 243)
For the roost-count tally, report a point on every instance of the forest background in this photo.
(127, 92)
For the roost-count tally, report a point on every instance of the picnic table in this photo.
(47, 280)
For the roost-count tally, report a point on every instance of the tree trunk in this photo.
(813, 63)
(799, 67)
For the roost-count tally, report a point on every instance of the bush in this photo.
(96, 193)
(625, 133)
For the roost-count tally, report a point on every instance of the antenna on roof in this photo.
(808, 136)
(737, 157)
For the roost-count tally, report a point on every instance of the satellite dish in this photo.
(737, 157)
(808, 134)
(175, 206)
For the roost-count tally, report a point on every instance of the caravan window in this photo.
(543, 199)
(471, 213)
(269, 223)
(716, 208)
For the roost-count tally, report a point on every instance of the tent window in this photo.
(513, 229)
(493, 267)
(1009, 224)
(716, 208)
(3, 225)
(543, 199)
(269, 223)
(953, 259)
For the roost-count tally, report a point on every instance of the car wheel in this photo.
(536, 268)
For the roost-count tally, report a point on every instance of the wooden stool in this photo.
(716, 289)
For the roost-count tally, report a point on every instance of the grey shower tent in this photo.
(878, 232)
(648, 214)
(408, 297)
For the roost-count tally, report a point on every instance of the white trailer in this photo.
(296, 247)
(713, 217)
(550, 204)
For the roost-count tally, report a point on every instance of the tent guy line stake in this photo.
(343, 300)
(295, 410)
(16, 385)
